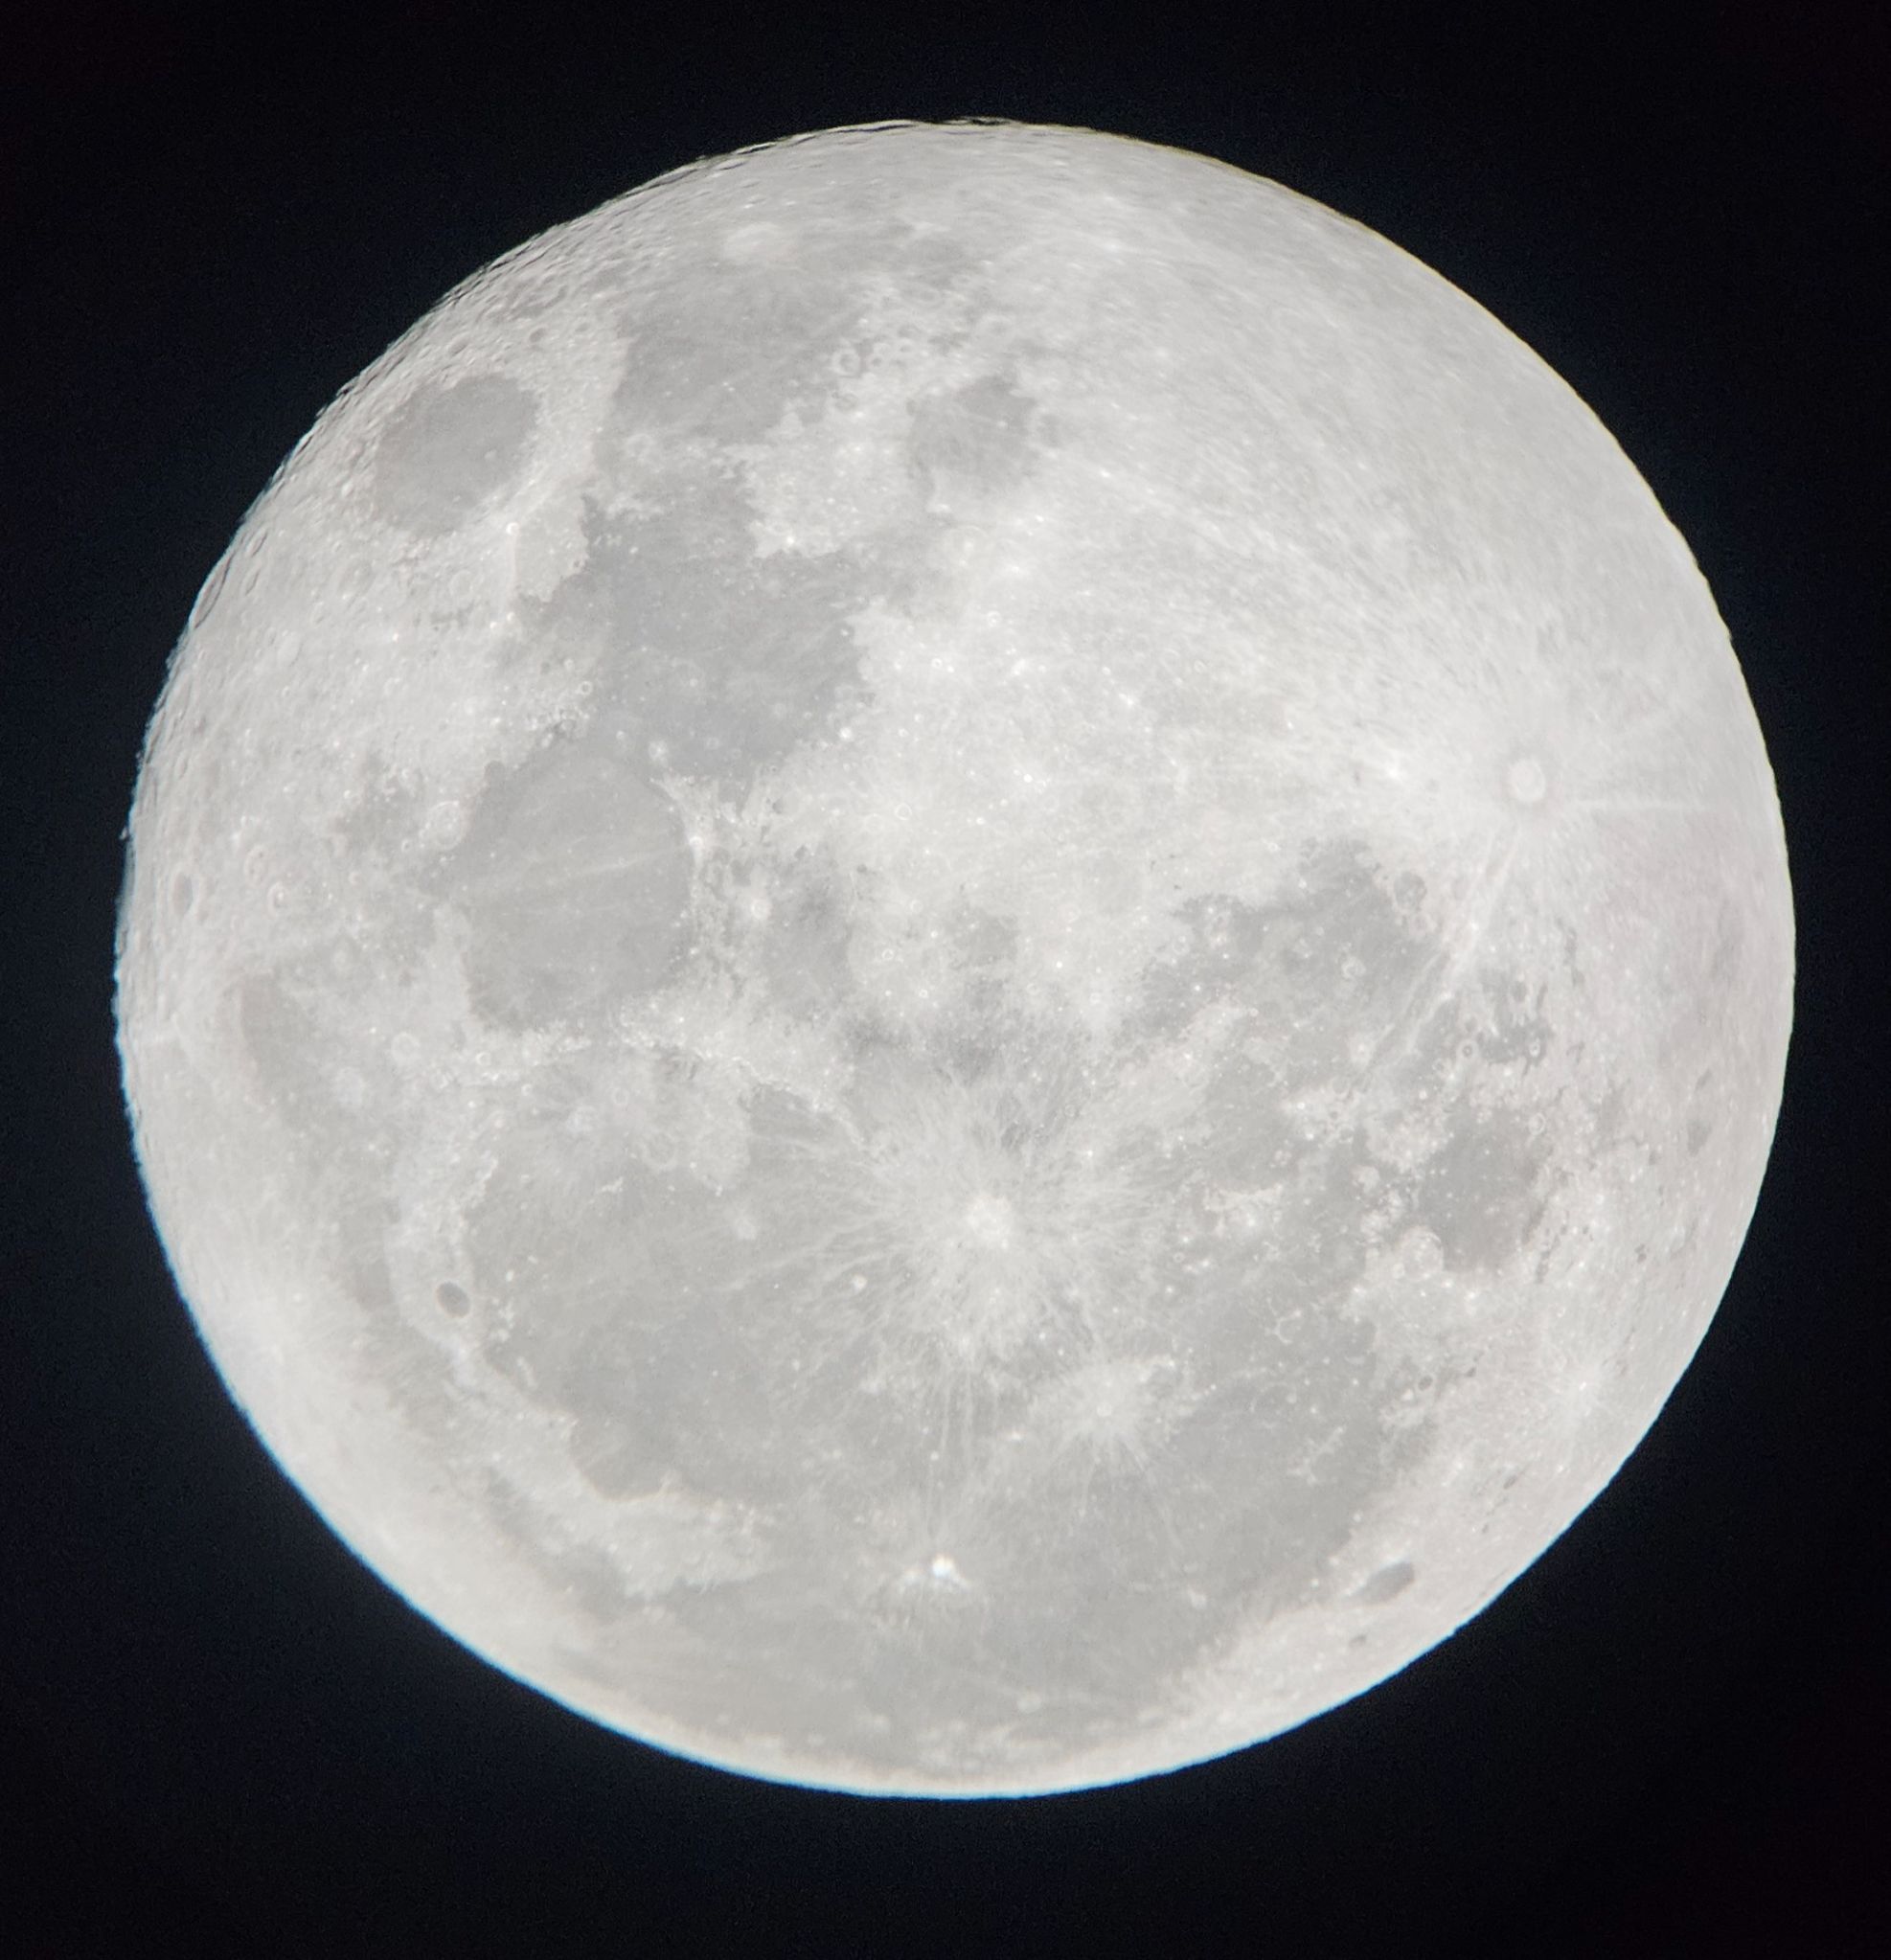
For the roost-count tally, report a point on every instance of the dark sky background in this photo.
(1670, 1736)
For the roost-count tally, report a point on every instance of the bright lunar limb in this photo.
(955, 961)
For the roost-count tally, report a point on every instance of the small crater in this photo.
(183, 894)
(1526, 780)
(453, 1299)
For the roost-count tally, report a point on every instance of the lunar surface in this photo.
(955, 961)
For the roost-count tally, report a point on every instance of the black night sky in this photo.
(218, 1731)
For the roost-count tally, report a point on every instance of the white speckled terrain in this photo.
(955, 961)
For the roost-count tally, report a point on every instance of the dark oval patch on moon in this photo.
(575, 883)
(1387, 1582)
(446, 451)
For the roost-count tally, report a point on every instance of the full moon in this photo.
(954, 962)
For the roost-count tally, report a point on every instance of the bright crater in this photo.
(990, 1220)
(955, 961)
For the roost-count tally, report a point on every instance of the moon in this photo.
(954, 962)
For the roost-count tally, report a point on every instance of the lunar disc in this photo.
(955, 961)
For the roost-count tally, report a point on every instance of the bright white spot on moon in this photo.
(954, 961)
(989, 1220)
(1526, 780)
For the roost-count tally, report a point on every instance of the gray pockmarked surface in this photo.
(954, 961)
